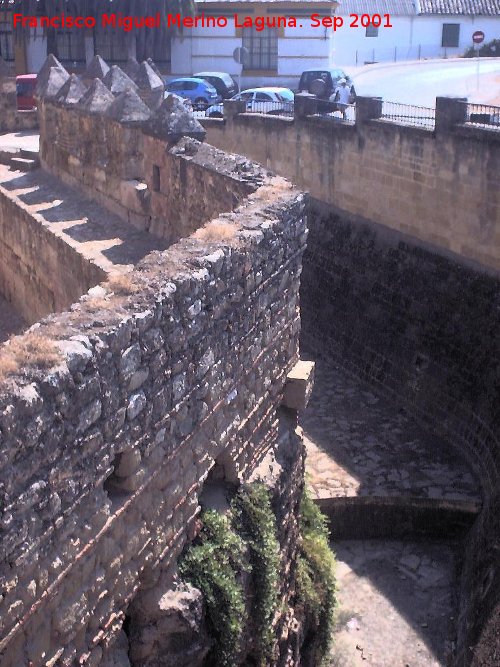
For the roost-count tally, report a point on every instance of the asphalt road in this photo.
(419, 83)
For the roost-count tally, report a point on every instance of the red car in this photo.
(25, 88)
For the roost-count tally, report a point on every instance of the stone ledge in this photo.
(398, 517)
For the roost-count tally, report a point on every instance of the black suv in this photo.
(323, 82)
(223, 83)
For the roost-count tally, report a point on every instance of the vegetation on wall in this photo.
(316, 587)
(244, 541)
(488, 49)
(256, 523)
(214, 565)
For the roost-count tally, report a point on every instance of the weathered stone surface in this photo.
(299, 385)
(117, 81)
(161, 370)
(173, 120)
(43, 75)
(48, 86)
(128, 108)
(96, 69)
(97, 99)
(131, 68)
(71, 92)
(147, 79)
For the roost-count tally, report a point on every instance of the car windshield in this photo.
(286, 96)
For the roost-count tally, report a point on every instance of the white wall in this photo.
(36, 52)
(410, 38)
(212, 49)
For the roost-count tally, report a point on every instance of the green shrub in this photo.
(316, 587)
(256, 523)
(489, 49)
(214, 565)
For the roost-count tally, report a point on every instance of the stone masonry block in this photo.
(299, 385)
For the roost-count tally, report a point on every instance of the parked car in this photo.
(269, 100)
(322, 83)
(223, 83)
(25, 91)
(199, 92)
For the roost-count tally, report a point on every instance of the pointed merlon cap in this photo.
(147, 79)
(131, 68)
(97, 68)
(71, 92)
(174, 120)
(128, 108)
(153, 66)
(52, 82)
(117, 81)
(42, 78)
(50, 61)
(97, 99)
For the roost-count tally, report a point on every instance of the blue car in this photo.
(201, 93)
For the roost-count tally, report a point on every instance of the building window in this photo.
(71, 46)
(371, 31)
(451, 34)
(111, 46)
(262, 49)
(6, 41)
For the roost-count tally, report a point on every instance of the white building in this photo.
(419, 29)
(275, 55)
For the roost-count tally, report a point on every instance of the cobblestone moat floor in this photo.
(396, 604)
(360, 444)
(10, 322)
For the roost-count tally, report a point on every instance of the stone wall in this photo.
(440, 187)
(40, 273)
(104, 455)
(424, 329)
(12, 120)
(114, 413)
(125, 156)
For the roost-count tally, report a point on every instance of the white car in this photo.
(269, 100)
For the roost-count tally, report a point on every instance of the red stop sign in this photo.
(478, 37)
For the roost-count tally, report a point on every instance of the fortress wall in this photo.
(40, 273)
(424, 329)
(104, 455)
(115, 164)
(401, 287)
(12, 120)
(439, 187)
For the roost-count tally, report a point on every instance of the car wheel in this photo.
(200, 104)
(215, 114)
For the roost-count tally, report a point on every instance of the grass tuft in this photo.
(32, 350)
(216, 231)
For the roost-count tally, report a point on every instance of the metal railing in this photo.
(268, 108)
(409, 114)
(482, 115)
(348, 115)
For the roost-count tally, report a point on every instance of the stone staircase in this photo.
(20, 159)
(25, 160)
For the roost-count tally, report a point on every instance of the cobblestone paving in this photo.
(396, 606)
(359, 444)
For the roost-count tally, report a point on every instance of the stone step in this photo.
(24, 164)
(30, 153)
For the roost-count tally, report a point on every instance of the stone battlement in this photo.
(114, 413)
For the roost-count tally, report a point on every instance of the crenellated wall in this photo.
(441, 187)
(113, 414)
